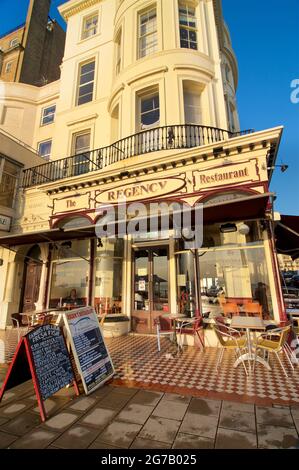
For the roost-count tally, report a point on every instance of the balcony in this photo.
(175, 137)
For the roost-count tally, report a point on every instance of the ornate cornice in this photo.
(75, 6)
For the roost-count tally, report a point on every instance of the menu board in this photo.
(51, 359)
(90, 352)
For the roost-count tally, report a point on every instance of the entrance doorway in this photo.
(151, 287)
(32, 276)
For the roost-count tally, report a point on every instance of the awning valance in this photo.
(243, 208)
(287, 236)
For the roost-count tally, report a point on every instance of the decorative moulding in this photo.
(67, 11)
(147, 74)
(83, 119)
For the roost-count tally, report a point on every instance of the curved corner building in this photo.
(144, 112)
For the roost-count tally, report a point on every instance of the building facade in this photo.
(144, 111)
(32, 52)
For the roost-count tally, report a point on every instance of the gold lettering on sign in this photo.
(143, 190)
(69, 204)
(223, 176)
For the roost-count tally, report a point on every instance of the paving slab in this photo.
(21, 424)
(160, 429)
(3, 421)
(177, 398)
(274, 417)
(36, 439)
(205, 407)
(6, 439)
(295, 413)
(120, 434)
(200, 425)
(190, 441)
(61, 421)
(13, 409)
(101, 445)
(76, 437)
(277, 437)
(238, 421)
(235, 406)
(171, 409)
(52, 406)
(114, 400)
(135, 413)
(229, 439)
(140, 443)
(145, 397)
(124, 390)
(82, 404)
(98, 417)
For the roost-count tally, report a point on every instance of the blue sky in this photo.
(266, 41)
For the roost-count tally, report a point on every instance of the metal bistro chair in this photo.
(274, 341)
(193, 328)
(230, 339)
(164, 328)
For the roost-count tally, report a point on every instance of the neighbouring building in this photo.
(32, 52)
(145, 108)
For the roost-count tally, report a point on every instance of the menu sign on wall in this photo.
(90, 352)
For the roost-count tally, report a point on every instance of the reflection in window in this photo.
(108, 276)
(70, 274)
(8, 183)
(86, 83)
(234, 271)
(188, 27)
(90, 26)
(148, 38)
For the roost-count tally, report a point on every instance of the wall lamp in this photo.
(228, 228)
(283, 168)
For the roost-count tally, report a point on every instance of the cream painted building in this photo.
(146, 109)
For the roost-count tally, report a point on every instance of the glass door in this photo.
(151, 285)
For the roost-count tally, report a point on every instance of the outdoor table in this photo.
(35, 313)
(249, 323)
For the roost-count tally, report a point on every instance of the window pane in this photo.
(8, 184)
(108, 276)
(82, 143)
(70, 283)
(44, 149)
(185, 284)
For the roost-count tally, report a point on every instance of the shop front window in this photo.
(108, 276)
(233, 270)
(70, 274)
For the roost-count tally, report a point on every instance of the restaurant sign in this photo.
(142, 190)
(69, 204)
(230, 174)
(5, 223)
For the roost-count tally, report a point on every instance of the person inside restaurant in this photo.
(73, 300)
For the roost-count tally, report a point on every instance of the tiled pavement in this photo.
(186, 413)
(119, 417)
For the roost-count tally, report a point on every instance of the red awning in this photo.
(287, 236)
(244, 208)
(47, 236)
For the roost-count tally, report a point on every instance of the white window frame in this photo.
(43, 116)
(144, 52)
(84, 31)
(46, 157)
(144, 96)
(78, 162)
(81, 65)
(189, 16)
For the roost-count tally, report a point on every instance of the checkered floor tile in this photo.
(139, 364)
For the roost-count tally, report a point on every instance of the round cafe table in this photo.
(249, 324)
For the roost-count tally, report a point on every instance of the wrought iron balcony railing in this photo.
(160, 138)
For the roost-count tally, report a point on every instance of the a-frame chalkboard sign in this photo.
(42, 356)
